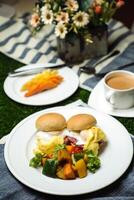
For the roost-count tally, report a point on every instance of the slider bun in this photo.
(51, 122)
(80, 122)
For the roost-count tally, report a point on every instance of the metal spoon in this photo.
(101, 75)
(91, 69)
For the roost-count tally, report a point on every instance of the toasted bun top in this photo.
(80, 122)
(51, 122)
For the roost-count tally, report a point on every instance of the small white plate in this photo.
(12, 86)
(115, 159)
(97, 101)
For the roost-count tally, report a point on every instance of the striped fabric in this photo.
(17, 42)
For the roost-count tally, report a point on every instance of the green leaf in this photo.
(78, 156)
(55, 7)
(59, 147)
(50, 167)
(84, 5)
(93, 162)
(36, 161)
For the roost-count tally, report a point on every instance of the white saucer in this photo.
(97, 101)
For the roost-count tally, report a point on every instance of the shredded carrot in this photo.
(44, 81)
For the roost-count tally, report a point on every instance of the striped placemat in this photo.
(17, 42)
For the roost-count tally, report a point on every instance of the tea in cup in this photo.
(119, 89)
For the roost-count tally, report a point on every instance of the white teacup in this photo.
(119, 89)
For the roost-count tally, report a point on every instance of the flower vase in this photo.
(74, 48)
(99, 45)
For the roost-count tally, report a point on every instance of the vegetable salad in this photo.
(62, 157)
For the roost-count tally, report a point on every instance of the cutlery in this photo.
(91, 69)
(101, 75)
(26, 72)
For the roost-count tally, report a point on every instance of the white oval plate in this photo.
(97, 101)
(114, 160)
(12, 86)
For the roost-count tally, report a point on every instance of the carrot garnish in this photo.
(44, 81)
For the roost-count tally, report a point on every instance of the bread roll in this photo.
(51, 122)
(80, 122)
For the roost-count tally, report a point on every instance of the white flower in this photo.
(35, 20)
(72, 5)
(60, 30)
(46, 15)
(63, 17)
(81, 19)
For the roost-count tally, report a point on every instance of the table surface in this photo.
(12, 113)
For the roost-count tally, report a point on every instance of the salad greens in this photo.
(67, 160)
(50, 167)
(93, 162)
(58, 147)
(36, 161)
(78, 156)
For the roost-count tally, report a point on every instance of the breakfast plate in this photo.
(97, 101)
(12, 87)
(117, 154)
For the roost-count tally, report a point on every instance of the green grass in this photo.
(11, 112)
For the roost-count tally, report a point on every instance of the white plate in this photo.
(12, 86)
(114, 160)
(97, 101)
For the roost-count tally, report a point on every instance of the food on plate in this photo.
(46, 80)
(63, 156)
(81, 122)
(51, 122)
(64, 161)
(95, 139)
(47, 147)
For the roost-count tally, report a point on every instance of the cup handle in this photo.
(109, 97)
